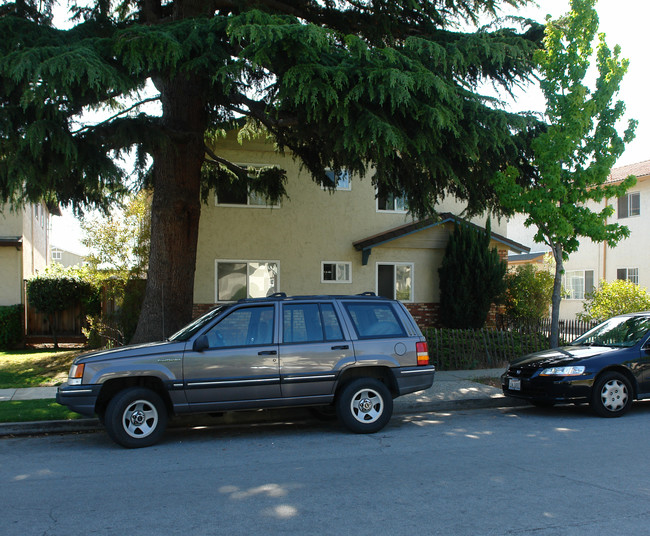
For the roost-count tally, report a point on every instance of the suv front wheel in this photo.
(136, 417)
(364, 405)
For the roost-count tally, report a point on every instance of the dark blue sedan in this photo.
(608, 367)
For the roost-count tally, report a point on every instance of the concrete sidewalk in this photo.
(451, 390)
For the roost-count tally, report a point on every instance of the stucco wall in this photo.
(11, 280)
(312, 226)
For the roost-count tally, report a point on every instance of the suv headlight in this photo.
(75, 377)
(562, 371)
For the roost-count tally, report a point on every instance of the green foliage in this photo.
(528, 296)
(614, 298)
(11, 325)
(57, 289)
(347, 84)
(574, 155)
(119, 241)
(471, 277)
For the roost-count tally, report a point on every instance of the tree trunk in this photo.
(175, 210)
(557, 296)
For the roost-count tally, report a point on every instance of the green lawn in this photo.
(34, 410)
(35, 368)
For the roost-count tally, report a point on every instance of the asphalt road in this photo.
(519, 471)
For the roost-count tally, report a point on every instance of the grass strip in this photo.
(34, 410)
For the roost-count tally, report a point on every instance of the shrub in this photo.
(11, 325)
(471, 278)
(528, 295)
(614, 298)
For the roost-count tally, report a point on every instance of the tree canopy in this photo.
(574, 156)
(387, 89)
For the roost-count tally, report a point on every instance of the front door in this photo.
(241, 362)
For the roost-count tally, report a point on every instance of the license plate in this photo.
(514, 384)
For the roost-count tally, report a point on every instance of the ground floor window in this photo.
(395, 281)
(246, 279)
(336, 272)
(629, 274)
(578, 283)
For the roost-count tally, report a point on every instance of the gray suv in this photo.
(346, 355)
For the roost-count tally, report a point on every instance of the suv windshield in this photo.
(185, 333)
(619, 331)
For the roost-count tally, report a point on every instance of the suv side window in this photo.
(374, 319)
(310, 322)
(248, 326)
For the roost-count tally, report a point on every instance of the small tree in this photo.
(53, 291)
(471, 277)
(575, 155)
(528, 296)
(615, 298)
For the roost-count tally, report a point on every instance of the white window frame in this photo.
(393, 210)
(56, 254)
(344, 172)
(584, 291)
(633, 277)
(348, 266)
(396, 264)
(627, 200)
(249, 196)
(241, 261)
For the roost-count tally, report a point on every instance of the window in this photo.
(395, 281)
(629, 274)
(342, 181)
(629, 205)
(56, 255)
(240, 194)
(389, 202)
(250, 326)
(310, 322)
(246, 279)
(372, 319)
(336, 272)
(578, 283)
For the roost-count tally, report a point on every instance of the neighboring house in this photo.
(317, 242)
(24, 248)
(594, 262)
(66, 258)
(536, 258)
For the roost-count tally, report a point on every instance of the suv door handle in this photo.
(341, 347)
(267, 352)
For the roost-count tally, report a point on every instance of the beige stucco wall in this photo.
(11, 280)
(312, 226)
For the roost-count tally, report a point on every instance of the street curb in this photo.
(93, 425)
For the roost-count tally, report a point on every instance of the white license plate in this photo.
(514, 384)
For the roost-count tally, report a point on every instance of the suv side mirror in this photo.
(201, 343)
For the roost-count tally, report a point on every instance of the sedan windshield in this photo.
(618, 331)
(193, 327)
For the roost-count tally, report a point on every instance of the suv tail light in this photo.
(422, 352)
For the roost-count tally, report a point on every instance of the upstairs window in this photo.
(340, 181)
(237, 194)
(389, 202)
(628, 274)
(629, 205)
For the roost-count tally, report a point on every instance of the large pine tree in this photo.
(387, 88)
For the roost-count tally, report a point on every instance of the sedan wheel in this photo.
(612, 395)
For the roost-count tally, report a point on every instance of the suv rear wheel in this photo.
(136, 417)
(364, 405)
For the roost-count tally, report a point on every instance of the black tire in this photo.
(611, 395)
(364, 405)
(136, 417)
